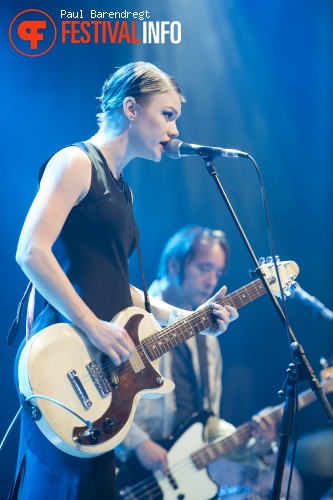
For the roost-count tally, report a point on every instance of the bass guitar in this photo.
(189, 458)
(83, 403)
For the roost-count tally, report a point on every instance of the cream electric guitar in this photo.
(84, 404)
(189, 457)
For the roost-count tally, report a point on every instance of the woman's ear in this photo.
(129, 107)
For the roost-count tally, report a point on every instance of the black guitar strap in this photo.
(203, 362)
(128, 196)
(16, 323)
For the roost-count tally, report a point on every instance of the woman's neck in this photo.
(114, 148)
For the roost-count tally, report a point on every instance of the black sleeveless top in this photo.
(96, 241)
(93, 249)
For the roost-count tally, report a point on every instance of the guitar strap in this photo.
(16, 323)
(203, 363)
(128, 197)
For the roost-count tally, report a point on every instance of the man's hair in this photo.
(139, 80)
(183, 246)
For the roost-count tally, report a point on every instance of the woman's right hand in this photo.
(65, 182)
(113, 340)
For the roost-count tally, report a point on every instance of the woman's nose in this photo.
(173, 132)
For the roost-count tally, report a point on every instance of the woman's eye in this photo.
(168, 114)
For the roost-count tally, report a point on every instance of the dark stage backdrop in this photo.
(258, 77)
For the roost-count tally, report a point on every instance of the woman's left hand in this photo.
(223, 314)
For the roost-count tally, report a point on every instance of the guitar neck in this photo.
(211, 452)
(163, 341)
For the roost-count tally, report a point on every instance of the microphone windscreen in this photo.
(171, 149)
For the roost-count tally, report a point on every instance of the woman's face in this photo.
(155, 124)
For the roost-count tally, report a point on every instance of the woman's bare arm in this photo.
(65, 182)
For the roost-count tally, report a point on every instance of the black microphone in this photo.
(311, 301)
(176, 149)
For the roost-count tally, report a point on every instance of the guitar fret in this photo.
(158, 343)
(241, 300)
(211, 452)
(173, 335)
(304, 399)
(134, 375)
(245, 294)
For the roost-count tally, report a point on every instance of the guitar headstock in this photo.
(288, 271)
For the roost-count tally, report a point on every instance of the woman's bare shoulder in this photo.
(69, 169)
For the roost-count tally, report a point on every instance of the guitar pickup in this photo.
(98, 378)
(79, 389)
(136, 362)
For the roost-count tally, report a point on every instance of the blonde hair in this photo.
(139, 80)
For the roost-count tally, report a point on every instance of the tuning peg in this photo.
(293, 286)
(290, 286)
(269, 260)
(277, 258)
(261, 261)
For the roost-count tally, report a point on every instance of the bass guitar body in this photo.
(185, 480)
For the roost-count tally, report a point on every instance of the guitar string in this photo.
(127, 367)
(203, 459)
(228, 444)
(185, 466)
(162, 337)
(184, 470)
(159, 336)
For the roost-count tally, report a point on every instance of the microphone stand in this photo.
(305, 370)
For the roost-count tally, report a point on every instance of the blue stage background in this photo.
(258, 77)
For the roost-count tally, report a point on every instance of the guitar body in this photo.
(185, 481)
(54, 364)
(189, 459)
(87, 404)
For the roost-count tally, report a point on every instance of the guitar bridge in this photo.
(79, 389)
(98, 378)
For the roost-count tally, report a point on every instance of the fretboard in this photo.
(211, 452)
(163, 341)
